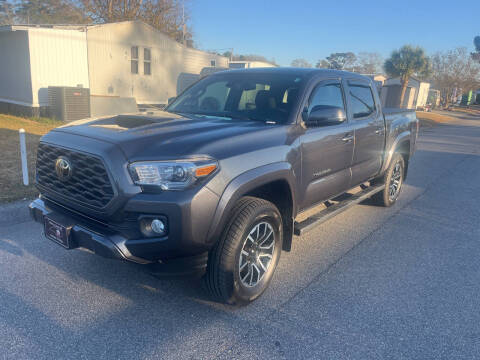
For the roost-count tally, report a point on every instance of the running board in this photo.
(331, 210)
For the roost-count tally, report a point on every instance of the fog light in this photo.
(158, 226)
(152, 227)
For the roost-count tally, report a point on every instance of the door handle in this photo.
(379, 131)
(347, 138)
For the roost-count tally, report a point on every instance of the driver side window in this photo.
(326, 95)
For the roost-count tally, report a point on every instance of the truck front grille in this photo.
(88, 181)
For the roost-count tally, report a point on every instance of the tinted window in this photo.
(327, 95)
(214, 97)
(361, 100)
(247, 100)
(246, 96)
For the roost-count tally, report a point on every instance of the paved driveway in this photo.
(402, 282)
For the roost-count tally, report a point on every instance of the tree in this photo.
(6, 13)
(338, 61)
(227, 54)
(50, 12)
(168, 16)
(454, 69)
(476, 53)
(368, 63)
(323, 64)
(248, 57)
(301, 63)
(406, 62)
(476, 42)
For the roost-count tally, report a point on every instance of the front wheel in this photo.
(241, 265)
(393, 180)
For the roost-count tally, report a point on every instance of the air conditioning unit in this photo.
(68, 103)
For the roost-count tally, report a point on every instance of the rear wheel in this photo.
(241, 265)
(393, 180)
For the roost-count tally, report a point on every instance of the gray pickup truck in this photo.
(217, 181)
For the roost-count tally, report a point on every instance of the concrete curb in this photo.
(14, 213)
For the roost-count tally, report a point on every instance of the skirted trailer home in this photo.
(122, 64)
(34, 58)
(132, 59)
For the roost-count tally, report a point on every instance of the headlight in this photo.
(171, 175)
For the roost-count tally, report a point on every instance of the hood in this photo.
(168, 136)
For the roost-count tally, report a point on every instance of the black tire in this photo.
(223, 277)
(395, 173)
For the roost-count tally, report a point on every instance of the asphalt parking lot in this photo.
(372, 283)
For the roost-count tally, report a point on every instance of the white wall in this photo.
(422, 94)
(57, 58)
(172, 64)
(249, 64)
(416, 95)
(15, 84)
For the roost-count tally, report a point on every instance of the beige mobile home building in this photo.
(132, 59)
(115, 61)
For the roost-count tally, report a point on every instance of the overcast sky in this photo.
(285, 30)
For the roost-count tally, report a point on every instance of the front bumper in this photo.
(165, 255)
(82, 236)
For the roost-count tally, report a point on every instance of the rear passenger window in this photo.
(361, 100)
(326, 95)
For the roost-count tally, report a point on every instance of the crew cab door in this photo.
(326, 149)
(369, 128)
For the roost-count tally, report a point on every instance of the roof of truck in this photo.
(300, 72)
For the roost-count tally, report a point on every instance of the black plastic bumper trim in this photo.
(108, 246)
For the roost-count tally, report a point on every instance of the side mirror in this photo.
(170, 100)
(325, 115)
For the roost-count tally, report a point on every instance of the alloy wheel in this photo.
(257, 254)
(395, 182)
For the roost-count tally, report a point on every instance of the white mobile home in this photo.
(415, 96)
(33, 58)
(240, 64)
(119, 61)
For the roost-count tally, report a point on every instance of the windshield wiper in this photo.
(226, 115)
(235, 115)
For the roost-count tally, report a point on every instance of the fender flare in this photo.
(401, 138)
(245, 183)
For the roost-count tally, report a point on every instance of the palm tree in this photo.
(406, 62)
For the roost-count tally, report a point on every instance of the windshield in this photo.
(267, 97)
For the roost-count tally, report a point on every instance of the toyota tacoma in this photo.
(217, 180)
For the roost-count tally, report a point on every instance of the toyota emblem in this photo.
(63, 168)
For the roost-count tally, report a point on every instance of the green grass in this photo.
(11, 180)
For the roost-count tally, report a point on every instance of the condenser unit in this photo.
(68, 103)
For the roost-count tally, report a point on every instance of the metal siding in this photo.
(422, 94)
(58, 58)
(15, 81)
(171, 63)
